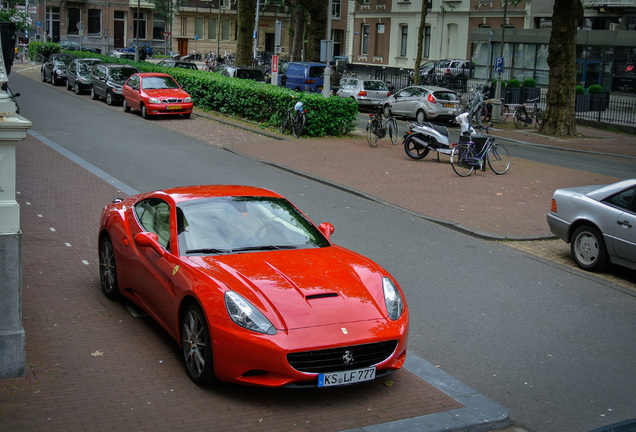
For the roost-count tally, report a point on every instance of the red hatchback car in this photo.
(156, 94)
(251, 289)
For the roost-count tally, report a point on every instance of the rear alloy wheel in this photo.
(125, 106)
(93, 94)
(415, 150)
(197, 346)
(108, 269)
(588, 248)
(420, 117)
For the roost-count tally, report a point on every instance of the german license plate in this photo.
(174, 107)
(346, 377)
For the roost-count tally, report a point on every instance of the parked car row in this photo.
(150, 93)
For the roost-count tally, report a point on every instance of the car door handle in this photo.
(624, 224)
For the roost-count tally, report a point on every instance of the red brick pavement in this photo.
(92, 366)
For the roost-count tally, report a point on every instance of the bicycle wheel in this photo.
(393, 130)
(518, 118)
(539, 115)
(505, 112)
(38, 58)
(498, 158)
(298, 125)
(461, 159)
(373, 131)
(284, 124)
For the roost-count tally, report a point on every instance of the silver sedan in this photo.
(599, 223)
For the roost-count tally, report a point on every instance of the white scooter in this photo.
(421, 138)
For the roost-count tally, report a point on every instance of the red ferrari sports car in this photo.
(251, 289)
(155, 94)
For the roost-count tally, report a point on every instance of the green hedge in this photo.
(263, 103)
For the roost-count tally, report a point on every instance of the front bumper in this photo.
(170, 108)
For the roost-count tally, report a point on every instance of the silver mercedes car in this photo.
(599, 223)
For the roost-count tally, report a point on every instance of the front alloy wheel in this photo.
(197, 346)
(108, 269)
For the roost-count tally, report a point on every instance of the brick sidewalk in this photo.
(92, 366)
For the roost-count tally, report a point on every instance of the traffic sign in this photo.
(499, 64)
(165, 35)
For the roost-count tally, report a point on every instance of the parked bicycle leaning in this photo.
(295, 118)
(522, 118)
(377, 129)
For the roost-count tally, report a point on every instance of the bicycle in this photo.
(521, 117)
(486, 111)
(465, 157)
(295, 117)
(377, 129)
(39, 58)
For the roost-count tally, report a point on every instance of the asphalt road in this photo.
(557, 349)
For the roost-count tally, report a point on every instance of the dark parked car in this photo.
(54, 69)
(132, 49)
(68, 45)
(107, 81)
(242, 72)
(78, 74)
(178, 64)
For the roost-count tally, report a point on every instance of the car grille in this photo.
(336, 359)
(172, 100)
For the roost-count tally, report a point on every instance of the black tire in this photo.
(144, 112)
(94, 95)
(53, 80)
(298, 125)
(43, 75)
(197, 346)
(284, 124)
(539, 117)
(518, 119)
(108, 268)
(373, 131)
(109, 98)
(76, 88)
(125, 106)
(187, 115)
(393, 131)
(415, 150)
(461, 159)
(498, 159)
(588, 248)
(386, 110)
(505, 112)
(420, 116)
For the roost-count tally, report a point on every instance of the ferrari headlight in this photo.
(392, 298)
(154, 101)
(246, 315)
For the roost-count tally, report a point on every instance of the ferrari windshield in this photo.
(241, 224)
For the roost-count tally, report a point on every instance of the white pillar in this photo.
(12, 336)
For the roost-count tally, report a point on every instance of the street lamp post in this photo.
(496, 104)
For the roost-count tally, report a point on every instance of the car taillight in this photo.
(310, 81)
(388, 94)
(447, 72)
(553, 207)
(362, 93)
(431, 98)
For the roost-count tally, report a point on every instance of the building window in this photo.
(158, 27)
(212, 22)
(335, 8)
(184, 26)
(198, 27)
(226, 29)
(337, 36)
(142, 25)
(426, 52)
(404, 36)
(94, 26)
(364, 46)
(73, 17)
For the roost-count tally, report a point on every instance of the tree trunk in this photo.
(317, 29)
(420, 44)
(559, 119)
(299, 33)
(245, 39)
